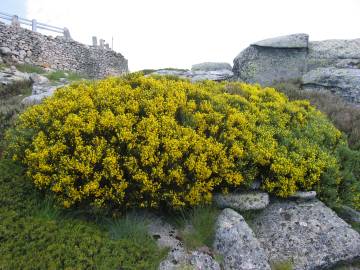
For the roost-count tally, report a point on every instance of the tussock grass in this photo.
(69, 75)
(197, 226)
(30, 68)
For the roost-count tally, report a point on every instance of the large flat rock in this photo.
(267, 65)
(211, 66)
(344, 82)
(289, 41)
(236, 242)
(307, 233)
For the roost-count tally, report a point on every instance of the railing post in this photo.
(67, 34)
(34, 25)
(94, 41)
(15, 21)
(102, 43)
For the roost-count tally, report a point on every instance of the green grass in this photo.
(10, 104)
(3, 66)
(285, 265)
(35, 234)
(197, 226)
(30, 68)
(70, 76)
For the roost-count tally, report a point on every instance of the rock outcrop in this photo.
(330, 65)
(309, 234)
(277, 59)
(178, 257)
(236, 242)
(344, 82)
(203, 71)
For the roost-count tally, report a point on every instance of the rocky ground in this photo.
(300, 232)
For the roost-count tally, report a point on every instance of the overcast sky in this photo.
(179, 33)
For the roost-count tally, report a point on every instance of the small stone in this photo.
(304, 195)
(38, 79)
(242, 201)
(5, 51)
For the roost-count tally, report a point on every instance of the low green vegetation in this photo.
(27, 68)
(345, 116)
(285, 265)
(11, 96)
(69, 75)
(197, 226)
(3, 66)
(36, 235)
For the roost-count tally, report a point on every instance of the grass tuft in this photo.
(70, 76)
(197, 226)
(27, 68)
(284, 265)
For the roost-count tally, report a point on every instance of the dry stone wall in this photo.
(19, 45)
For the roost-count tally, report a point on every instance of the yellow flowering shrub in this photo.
(147, 141)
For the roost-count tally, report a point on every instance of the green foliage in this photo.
(3, 66)
(345, 116)
(10, 104)
(286, 265)
(349, 187)
(344, 188)
(69, 75)
(27, 68)
(150, 141)
(198, 226)
(132, 226)
(35, 235)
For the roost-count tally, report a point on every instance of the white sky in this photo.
(179, 33)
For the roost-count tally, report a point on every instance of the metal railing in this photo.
(35, 25)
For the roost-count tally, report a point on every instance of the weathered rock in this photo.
(187, 74)
(329, 65)
(199, 75)
(236, 242)
(266, 65)
(217, 75)
(202, 261)
(165, 235)
(11, 75)
(337, 53)
(304, 195)
(211, 66)
(343, 82)
(242, 201)
(289, 41)
(307, 233)
(39, 93)
(5, 51)
(38, 79)
(178, 257)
